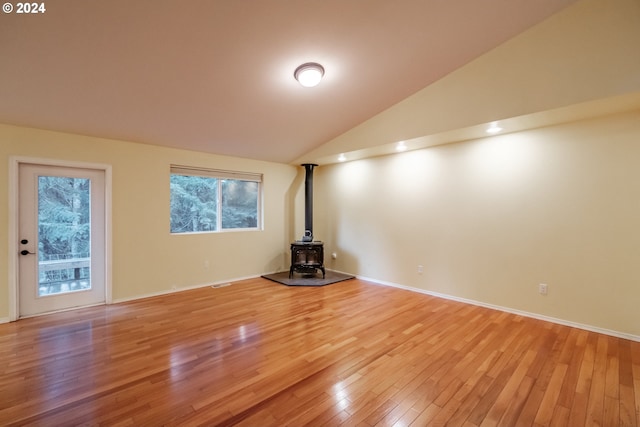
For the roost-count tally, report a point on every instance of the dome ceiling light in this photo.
(309, 74)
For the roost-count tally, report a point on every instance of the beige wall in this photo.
(147, 259)
(488, 219)
(491, 219)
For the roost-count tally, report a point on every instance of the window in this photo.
(206, 200)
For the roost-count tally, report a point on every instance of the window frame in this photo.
(221, 175)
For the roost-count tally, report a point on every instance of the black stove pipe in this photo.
(308, 202)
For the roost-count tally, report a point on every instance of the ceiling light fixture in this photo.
(309, 74)
(494, 128)
(342, 157)
(401, 146)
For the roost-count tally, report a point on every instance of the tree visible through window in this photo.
(239, 204)
(211, 200)
(64, 234)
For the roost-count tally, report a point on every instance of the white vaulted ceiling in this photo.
(217, 75)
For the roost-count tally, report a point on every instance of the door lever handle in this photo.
(26, 252)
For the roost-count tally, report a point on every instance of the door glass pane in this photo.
(64, 237)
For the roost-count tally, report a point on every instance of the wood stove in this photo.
(307, 258)
(307, 255)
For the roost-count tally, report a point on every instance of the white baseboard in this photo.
(173, 291)
(408, 288)
(4, 320)
(590, 328)
(186, 288)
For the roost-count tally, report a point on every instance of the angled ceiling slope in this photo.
(581, 63)
(217, 76)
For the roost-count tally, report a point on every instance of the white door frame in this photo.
(14, 166)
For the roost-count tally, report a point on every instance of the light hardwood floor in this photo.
(261, 354)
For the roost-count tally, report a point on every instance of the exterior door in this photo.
(62, 238)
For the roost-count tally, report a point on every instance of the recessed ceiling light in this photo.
(309, 74)
(494, 128)
(342, 157)
(401, 146)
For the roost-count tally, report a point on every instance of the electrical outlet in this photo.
(420, 269)
(542, 288)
